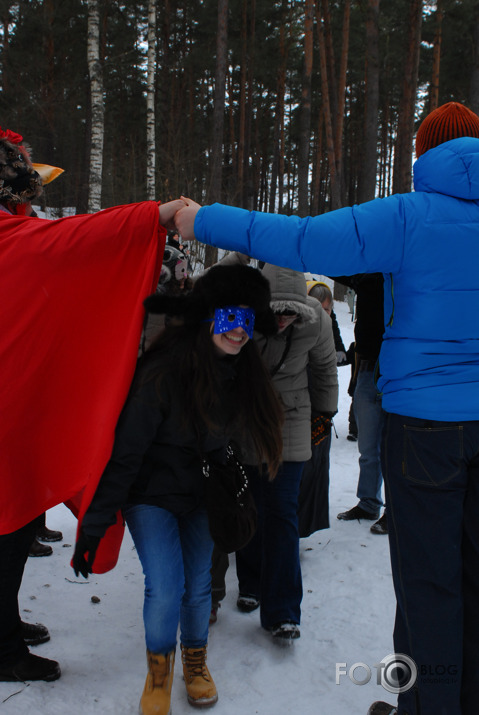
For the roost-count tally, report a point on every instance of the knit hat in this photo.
(450, 121)
(19, 182)
(219, 287)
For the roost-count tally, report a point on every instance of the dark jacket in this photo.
(369, 327)
(154, 459)
(338, 341)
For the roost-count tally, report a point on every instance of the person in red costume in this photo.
(72, 294)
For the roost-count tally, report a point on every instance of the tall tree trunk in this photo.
(97, 107)
(277, 169)
(214, 191)
(150, 104)
(436, 58)
(474, 86)
(369, 163)
(305, 116)
(248, 191)
(333, 173)
(405, 132)
(329, 48)
(242, 105)
(343, 68)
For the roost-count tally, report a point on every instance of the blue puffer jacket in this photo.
(426, 244)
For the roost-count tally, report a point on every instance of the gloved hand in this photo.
(320, 428)
(85, 545)
(341, 358)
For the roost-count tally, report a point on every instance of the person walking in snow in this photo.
(199, 384)
(367, 402)
(426, 244)
(268, 568)
(313, 498)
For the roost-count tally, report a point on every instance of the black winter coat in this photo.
(154, 460)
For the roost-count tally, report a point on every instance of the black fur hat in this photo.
(218, 287)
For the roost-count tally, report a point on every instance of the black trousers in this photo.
(14, 549)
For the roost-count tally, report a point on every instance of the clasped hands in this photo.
(180, 214)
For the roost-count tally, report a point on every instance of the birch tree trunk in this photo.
(97, 107)
(150, 104)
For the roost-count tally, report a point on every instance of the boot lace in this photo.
(195, 661)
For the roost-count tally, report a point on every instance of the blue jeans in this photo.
(431, 473)
(268, 567)
(175, 553)
(370, 420)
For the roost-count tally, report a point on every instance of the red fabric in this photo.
(71, 299)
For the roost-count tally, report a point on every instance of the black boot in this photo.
(38, 549)
(46, 534)
(34, 633)
(31, 667)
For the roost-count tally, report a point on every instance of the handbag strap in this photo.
(230, 454)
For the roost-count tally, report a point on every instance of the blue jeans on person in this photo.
(370, 420)
(175, 553)
(14, 548)
(268, 567)
(431, 473)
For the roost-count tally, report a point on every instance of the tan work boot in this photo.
(156, 696)
(199, 683)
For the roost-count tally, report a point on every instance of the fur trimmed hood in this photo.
(288, 292)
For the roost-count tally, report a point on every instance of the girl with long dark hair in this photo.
(201, 383)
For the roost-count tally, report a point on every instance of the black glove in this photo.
(84, 545)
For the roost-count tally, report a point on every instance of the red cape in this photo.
(71, 297)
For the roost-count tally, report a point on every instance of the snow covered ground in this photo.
(348, 613)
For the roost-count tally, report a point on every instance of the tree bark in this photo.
(338, 140)
(214, 190)
(305, 116)
(150, 104)
(333, 173)
(277, 169)
(97, 107)
(436, 59)
(368, 171)
(474, 86)
(405, 131)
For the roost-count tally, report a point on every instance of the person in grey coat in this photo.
(268, 568)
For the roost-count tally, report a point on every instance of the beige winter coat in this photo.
(312, 347)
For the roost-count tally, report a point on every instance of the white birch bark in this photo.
(97, 107)
(150, 104)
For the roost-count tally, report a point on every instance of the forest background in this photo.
(293, 106)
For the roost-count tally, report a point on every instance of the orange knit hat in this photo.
(449, 121)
